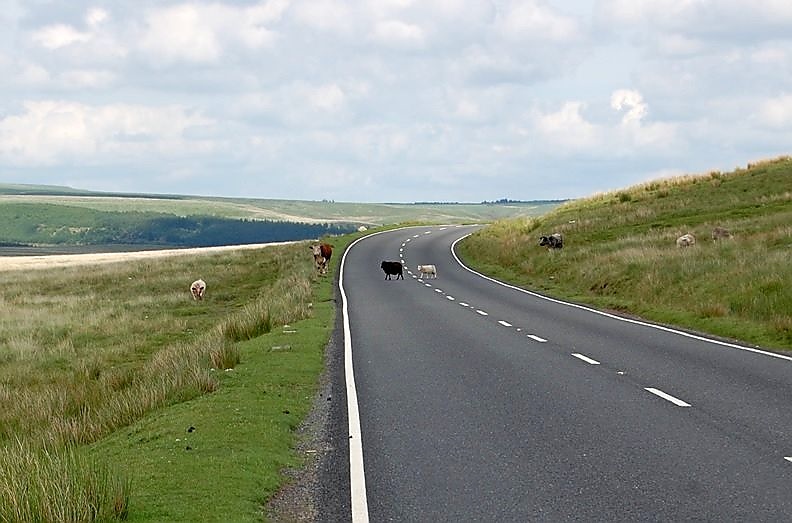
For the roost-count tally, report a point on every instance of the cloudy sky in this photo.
(389, 100)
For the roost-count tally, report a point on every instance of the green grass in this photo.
(619, 252)
(113, 363)
(371, 214)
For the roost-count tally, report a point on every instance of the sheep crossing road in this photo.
(470, 400)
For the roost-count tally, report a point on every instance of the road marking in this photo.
(537, 338)
(408, 239)
(482, 312)
(357, 474)
(676, 401)
(427, 284)
(450, 298)
(788, 458)
(462, 303)
(585, 358)
(439, 290)
(505, 323)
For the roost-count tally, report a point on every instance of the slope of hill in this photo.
(302, 211)
(619, 252)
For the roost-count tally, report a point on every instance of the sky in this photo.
(389, 100)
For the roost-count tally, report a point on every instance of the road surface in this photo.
(477, 401)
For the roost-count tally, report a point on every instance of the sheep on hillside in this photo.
(198, 289)
(686, 240)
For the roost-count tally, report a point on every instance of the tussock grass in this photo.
(85, 351)
(619, 252)
(59, 487)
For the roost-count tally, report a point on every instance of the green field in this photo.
(367, 214)
(619, 252)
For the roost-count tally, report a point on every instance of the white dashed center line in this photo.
(537, 338)
(676, 401)
(585, 358)
(462, 303)
(788, 458)
(439, 290)
(450, 298)
(482, 312)
(505, 323)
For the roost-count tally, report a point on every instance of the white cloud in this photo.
(328, 15)
(87, 78)
(631, 102)
(399, 34)
(59, 35)
(32, 74)
(180, 33)
(527, 20)
(568, 128)
(95, 17)
(49, 132)
(328, 98)
(776, 112)
(201, 33)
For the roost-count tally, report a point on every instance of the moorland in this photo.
(121, 398)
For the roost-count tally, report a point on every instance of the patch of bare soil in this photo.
(14, 263)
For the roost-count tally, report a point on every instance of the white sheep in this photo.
(686, 240)
(198, 289)
(429, 270)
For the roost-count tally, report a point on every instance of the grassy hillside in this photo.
(51, 224)
(368, 214)
(620, 253)
(122, 398)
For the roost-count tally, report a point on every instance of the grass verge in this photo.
(619, 253)
(112, 375)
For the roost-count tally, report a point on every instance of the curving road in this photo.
(477, 401)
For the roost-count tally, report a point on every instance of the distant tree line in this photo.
(508, 201)
(45, 224)
(207, 231)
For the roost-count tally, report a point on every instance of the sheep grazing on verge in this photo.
(718, 233)
(198, 289)
(686, 240)
(554, 241)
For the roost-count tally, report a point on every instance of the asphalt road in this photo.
(481, 402)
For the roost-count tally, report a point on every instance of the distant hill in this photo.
(620, 253)
(54, 215)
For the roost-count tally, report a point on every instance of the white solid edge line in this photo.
(676, 401)
(357, 475)
(585, 358)
(619, 318)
